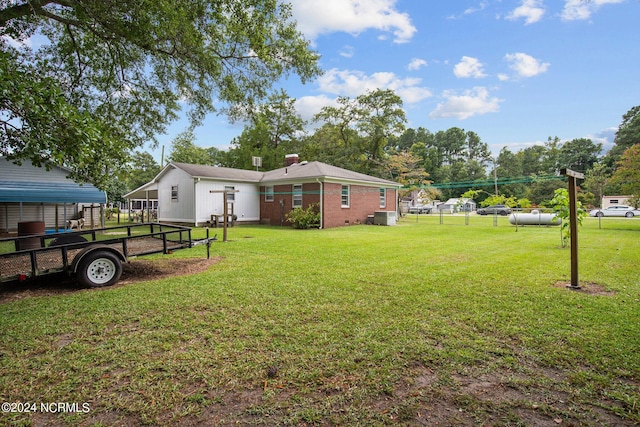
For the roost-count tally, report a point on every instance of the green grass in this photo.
(364, 325)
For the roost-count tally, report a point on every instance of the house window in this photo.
(383, 197)
(268, 193)
(345, 196)
(174, 193)
(613, 201)
(231, 196)
(297, 195)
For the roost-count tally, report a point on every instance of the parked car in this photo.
(616, 210)
(495, 209)
(419, 209)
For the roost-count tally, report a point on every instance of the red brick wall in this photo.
(363, 201)
(272, 213)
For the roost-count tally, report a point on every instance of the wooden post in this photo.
(224, 218)
(573, 223)
(226, 210)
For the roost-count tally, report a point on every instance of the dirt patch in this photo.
(138, 270)
(586, 288)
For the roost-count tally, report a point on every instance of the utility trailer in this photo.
(94, 257)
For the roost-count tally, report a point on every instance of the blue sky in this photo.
(514, 72)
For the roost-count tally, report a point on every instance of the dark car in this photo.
(493, 210)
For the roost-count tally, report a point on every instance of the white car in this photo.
(616, 210)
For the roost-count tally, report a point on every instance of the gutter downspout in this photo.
(321, 205)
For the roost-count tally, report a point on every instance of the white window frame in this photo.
(231, 195)
(296, 195)
(268, 193)
(383, 197)
(174, 193)
(345, 195)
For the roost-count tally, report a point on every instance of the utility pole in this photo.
(495, 176)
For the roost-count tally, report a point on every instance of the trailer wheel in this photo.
(99, 268)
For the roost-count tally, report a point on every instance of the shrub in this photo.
(305, 218)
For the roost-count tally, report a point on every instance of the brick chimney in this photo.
(290, 159)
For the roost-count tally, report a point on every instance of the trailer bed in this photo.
(52, 253)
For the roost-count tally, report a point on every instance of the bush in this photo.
(305, 218)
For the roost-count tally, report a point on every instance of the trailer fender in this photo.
(98, 265)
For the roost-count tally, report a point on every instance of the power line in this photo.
(501, 181)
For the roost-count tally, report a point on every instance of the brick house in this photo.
(344, 197)
(191, 194)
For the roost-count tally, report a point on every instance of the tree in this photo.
(596, 180)
(560, 205)
(476, 149)
(332, 144)
(579, 154)
(184, 150)
(404, 168)
(141, 169)
(274, 131)
(365, 126)
(628, 133)
(380, 116)
(114, 74)
(627, 175)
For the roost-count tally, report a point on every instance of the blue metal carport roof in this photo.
(49, 192)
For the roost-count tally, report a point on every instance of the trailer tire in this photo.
(98, 269)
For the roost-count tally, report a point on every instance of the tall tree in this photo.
(579, 154)
(334, 145)
(366, 124)
(476, 149)
(380, 117)
(114, 73)
(532, 160)
(274, 130)
(628, 133)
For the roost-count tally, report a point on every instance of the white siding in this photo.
(11, 214)
(246, 205)
(29, 173)
(184, 209)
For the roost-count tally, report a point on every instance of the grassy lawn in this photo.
(418, 324)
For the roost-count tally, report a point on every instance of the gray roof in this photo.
(231, 174)
(319, 170)
(295, 172)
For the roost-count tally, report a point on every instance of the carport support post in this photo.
(573, 223)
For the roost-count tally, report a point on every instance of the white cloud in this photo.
(355, 83)
(352, 16)
(472, 10)
(580, 9)
(530, 10)
(346, 52)
(472, 102)
(525, 65)
(309, 106)
(416, 64)
(469, 67)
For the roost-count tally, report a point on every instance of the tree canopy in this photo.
(110, 76)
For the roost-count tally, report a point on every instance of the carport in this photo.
(31, 193)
